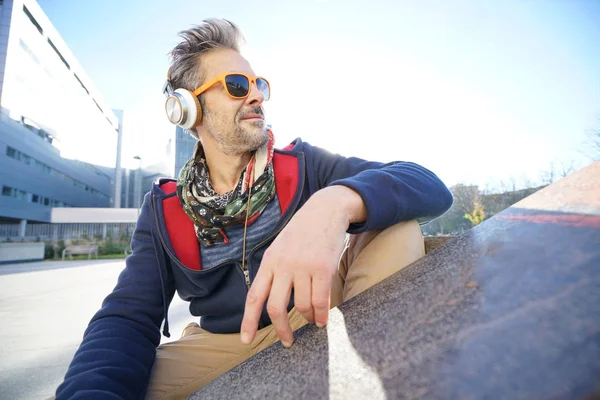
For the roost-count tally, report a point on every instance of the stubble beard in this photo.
(237, 137)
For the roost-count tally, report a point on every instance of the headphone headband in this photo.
(168, 86)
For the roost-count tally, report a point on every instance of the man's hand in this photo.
(304, 256)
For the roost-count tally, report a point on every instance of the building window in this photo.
(33, 21)
(30, 197)
(98, 105)
(17, 155)
(12, 192)
(12, 153)
(58, 53)
(81, 83)
(28, 51)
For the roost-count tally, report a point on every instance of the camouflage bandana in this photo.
(211, 212)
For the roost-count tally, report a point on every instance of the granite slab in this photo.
(510, 310)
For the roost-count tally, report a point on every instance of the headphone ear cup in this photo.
(192, 109)
(183, 109)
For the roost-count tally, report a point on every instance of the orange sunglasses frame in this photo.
(221, 78)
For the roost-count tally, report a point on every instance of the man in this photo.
(253, 238)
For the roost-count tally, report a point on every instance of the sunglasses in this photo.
(237, 85)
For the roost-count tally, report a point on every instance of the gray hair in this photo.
(213, 33)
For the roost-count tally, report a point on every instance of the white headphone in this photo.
(182, 107)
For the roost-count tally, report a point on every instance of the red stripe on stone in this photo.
(587, 221)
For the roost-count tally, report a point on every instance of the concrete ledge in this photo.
(21, 252)
(82, 215)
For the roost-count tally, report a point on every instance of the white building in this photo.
(43, 84)
(59, 140)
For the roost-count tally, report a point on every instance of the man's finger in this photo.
(321, 290)
(279, 299)
(302, 296)
(255, 299)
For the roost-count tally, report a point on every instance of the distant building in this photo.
(118, 184)
(184, 148)
(58, 138)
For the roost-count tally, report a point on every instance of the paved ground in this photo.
(44, 310)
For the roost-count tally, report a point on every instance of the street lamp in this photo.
(137, 191)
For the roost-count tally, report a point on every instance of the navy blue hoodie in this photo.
(118, 349)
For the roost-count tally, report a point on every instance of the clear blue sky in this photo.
(478, 91)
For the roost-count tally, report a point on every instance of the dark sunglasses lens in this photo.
(237, 85)
(263, 86)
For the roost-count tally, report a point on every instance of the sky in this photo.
(480, 92)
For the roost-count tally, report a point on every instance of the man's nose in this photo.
(256, 97)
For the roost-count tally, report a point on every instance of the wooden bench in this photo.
(80, 249)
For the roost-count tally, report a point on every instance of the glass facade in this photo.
(44, 168)
(184, 148)
(32, 198)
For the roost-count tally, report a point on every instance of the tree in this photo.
(465, 197)
(471, 206)
(556, 172)
(594, 143)
(453, 221)
(468, 201)
(477, 215)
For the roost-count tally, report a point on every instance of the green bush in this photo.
(110, 246)
(48, 250)
(58, 248)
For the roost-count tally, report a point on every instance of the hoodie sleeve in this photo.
(116, 355)
(393, 192)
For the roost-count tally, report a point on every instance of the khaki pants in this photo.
(184, 366)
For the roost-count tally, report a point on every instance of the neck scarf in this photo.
(211, 212)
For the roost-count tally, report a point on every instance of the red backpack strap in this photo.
(285, 168)
(180, 229)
